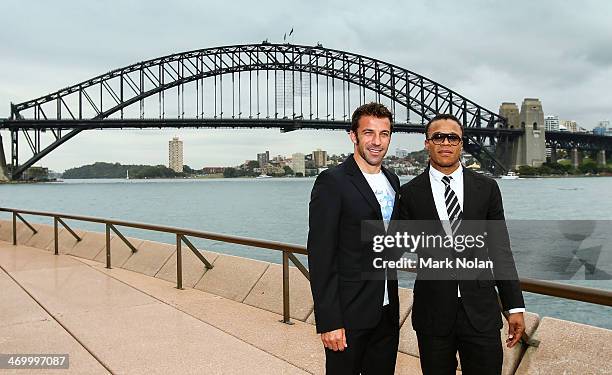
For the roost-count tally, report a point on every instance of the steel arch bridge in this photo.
(270, 86)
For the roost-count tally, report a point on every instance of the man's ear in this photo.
(354, 137)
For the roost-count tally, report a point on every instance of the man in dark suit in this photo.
(453, 314)
(356, 314)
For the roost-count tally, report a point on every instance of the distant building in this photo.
(401, 152)
(298, 163)
(213, 170)
(320, 158)
(175, 155)
(263, 159)
(603, 127)
(551, 123)
(36, 174)
(474, 166)
(570, 126)
(272, 170)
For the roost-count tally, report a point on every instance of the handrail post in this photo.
(14, 228)
(76, 236)
(122, 237)
(108, 246)
(179, 263)
(55, 237)
(286, 306)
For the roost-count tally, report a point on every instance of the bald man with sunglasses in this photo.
(453, 315)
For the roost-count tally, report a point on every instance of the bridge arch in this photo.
(135, 83)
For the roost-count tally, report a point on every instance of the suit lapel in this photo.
(470, 194)
(391, 178)
(426, 196)
(357, 179)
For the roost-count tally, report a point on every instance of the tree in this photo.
(233, 172)
(187, 169)
(252, 164)
(526, 170)
(288, 170)
(589, 166)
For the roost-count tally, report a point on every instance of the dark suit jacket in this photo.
(435, 301)
(343, 296)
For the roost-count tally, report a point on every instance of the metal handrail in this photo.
(272, 245)
(572, 292)
(289, 250)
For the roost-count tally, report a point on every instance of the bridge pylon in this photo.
(601, 158)
(3, 169)
(529, 148)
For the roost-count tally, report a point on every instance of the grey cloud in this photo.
(490, 51)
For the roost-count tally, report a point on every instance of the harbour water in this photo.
(277, 209)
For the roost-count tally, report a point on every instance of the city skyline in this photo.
(524, 49)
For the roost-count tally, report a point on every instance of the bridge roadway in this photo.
(285, 124)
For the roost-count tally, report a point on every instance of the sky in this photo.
(489, 51)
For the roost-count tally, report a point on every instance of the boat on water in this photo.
(510, 176)
(261, 176)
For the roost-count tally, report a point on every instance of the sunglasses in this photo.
(438, 138)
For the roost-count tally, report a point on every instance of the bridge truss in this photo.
(246, 86)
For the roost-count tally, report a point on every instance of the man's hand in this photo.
(334, 340)
(516, 327)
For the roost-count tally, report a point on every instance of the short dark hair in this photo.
(443, 116)
(371, 109)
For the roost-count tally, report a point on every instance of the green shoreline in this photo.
(252, 178)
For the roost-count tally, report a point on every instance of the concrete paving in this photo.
(25, 327)
(232, 277)
(91, 244)
(568, 348)
(149, 258)
(226, 320)
(126, 329)
(297, 344)
(65, 241)
(43, 237)
(120, 251)
(267, 293)
(193, 268)
(136, 323)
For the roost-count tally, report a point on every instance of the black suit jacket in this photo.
(344, 296)
(435, 301)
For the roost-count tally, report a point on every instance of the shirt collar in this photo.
(372, 174)
(437, 175)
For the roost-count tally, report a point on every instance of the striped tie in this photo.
(452, 205)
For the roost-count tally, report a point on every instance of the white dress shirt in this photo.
(437, 189)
